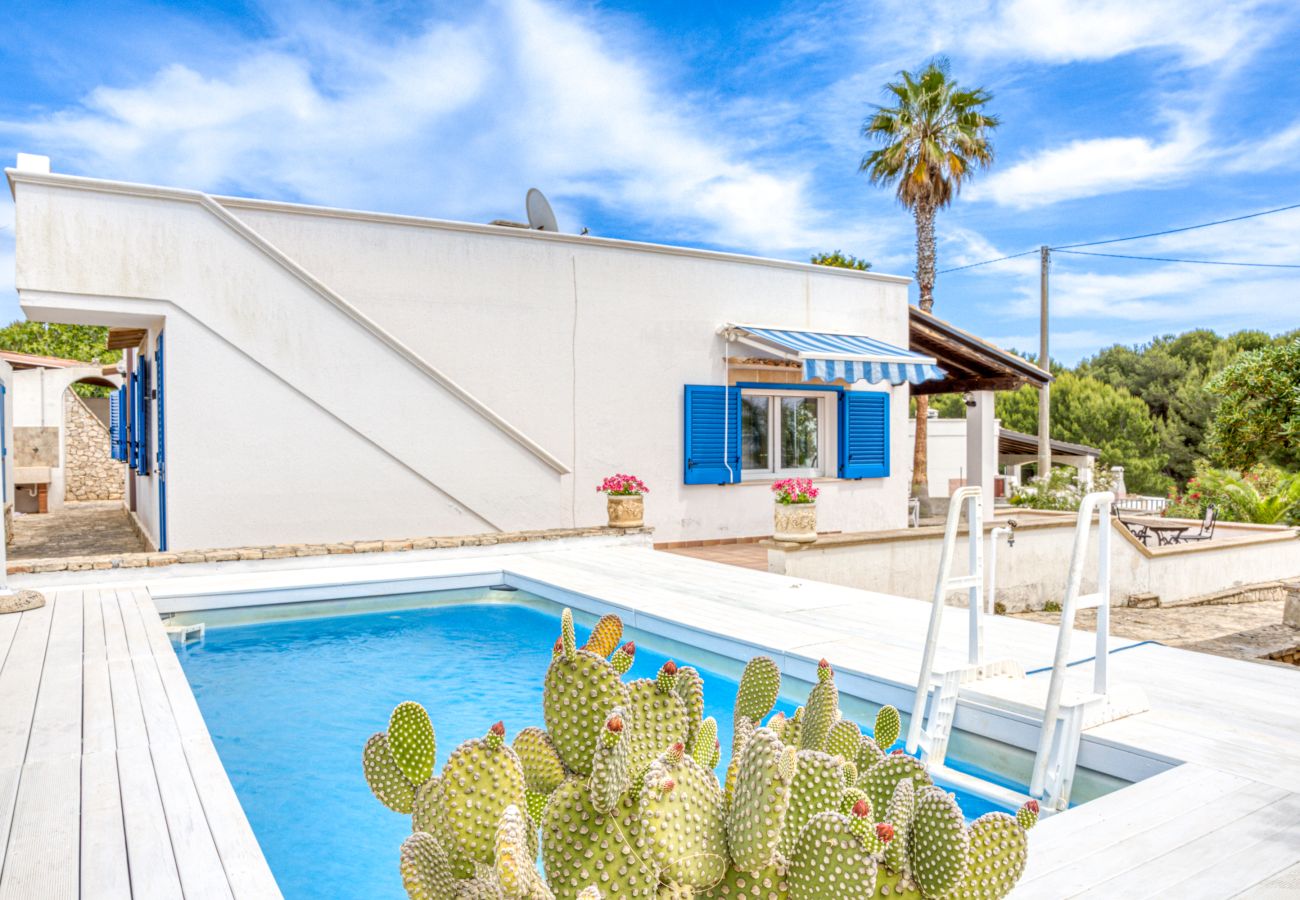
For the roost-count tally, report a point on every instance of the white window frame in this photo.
(826, 449)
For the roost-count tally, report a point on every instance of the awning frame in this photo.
(905, 361)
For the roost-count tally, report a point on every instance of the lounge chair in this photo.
(1207, 528)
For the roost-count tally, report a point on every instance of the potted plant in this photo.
(626, 505)
(796, 510)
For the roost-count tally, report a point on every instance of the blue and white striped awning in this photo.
(830, 356)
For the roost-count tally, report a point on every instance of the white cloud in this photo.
(454, 123)
(1197, 32)
(1093, 166)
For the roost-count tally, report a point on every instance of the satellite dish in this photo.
(540, 215)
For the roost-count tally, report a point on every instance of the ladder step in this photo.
(963, 581)
(1088, 601)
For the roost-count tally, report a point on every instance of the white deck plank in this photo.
(43, 859)
(241, 857)
(104, 869)
(201, 874)
(97, 732)
(1166, 873)
(148, 843)
(43, 855)
(20, 680)
(1184, 819)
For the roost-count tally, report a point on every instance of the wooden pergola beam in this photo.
(961, 385)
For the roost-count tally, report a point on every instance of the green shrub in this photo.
(1265, 495)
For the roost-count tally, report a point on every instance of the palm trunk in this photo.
(925, 259)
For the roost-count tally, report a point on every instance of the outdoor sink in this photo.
(31, 475)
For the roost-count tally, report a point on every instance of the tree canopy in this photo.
(83, 342)
(1258, 416)
(837, 260)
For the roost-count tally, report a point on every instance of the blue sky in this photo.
(732, 126)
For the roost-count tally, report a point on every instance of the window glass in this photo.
(755, 440)
(798, 433)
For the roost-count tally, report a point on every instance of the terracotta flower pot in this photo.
(795, 522)
(626, 510)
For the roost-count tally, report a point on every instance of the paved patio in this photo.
(747, 556)
(92, 528)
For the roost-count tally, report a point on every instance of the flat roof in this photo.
(1019, 442)
(18, 176)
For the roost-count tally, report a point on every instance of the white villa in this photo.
(297, 374)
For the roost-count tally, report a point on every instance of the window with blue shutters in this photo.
(864, 434)
(712, 451)
(115, 424)
(143, 454)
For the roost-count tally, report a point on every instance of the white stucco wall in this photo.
(1034, 571)
(289, 421)
(7, 377)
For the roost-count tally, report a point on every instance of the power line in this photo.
(1199, 262)
(1067, 247)
(1256, 215)
(985, 262)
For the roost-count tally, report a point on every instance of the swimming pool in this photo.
(290, 702)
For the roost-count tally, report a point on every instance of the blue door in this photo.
(160, 380)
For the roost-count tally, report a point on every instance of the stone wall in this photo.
(89, 470)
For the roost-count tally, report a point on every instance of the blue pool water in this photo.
(291, 703)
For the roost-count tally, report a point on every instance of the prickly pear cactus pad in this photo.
(760, 684)
(514, 860)
(410, 737)
(817, 786)
(879, 782)
(938, 843)
(387, 781)
(899, 813)
(703, 745)
(605, 636)
(658, 719)
(1027, 815)
(425, 871)
(680, 811)
(543, 768)
(888, 726)
(623, 658)
(831, 862)
(581, 847)
(822, 711)
(845, 739)
(675, 891)
(868, 755)
(480, 779)
(690, 687)
(998, 852)
(759, 801)
(609, 767)
(581, 688)
(425, 814)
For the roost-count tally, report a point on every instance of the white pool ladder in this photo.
(931, 734)
(1062, 728)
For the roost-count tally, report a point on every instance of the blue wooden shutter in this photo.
(115, 424)
(144, 457)
(712, 447)
(133, 422)
(864, 434)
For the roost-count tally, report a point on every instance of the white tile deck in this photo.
(109, 783)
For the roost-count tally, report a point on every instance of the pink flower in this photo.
(623, 485)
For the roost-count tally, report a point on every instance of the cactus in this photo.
(938, 843)
(888, 726)
(621, 786)
(605, 636)
(831, 861)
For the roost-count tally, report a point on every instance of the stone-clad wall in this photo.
(90, 472)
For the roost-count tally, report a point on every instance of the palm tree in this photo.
(933, 138)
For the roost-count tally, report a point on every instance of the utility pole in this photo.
(1044, 363)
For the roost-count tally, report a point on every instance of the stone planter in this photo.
(626, 510)
(795, 522)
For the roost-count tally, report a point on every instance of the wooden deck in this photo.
(109, 783)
